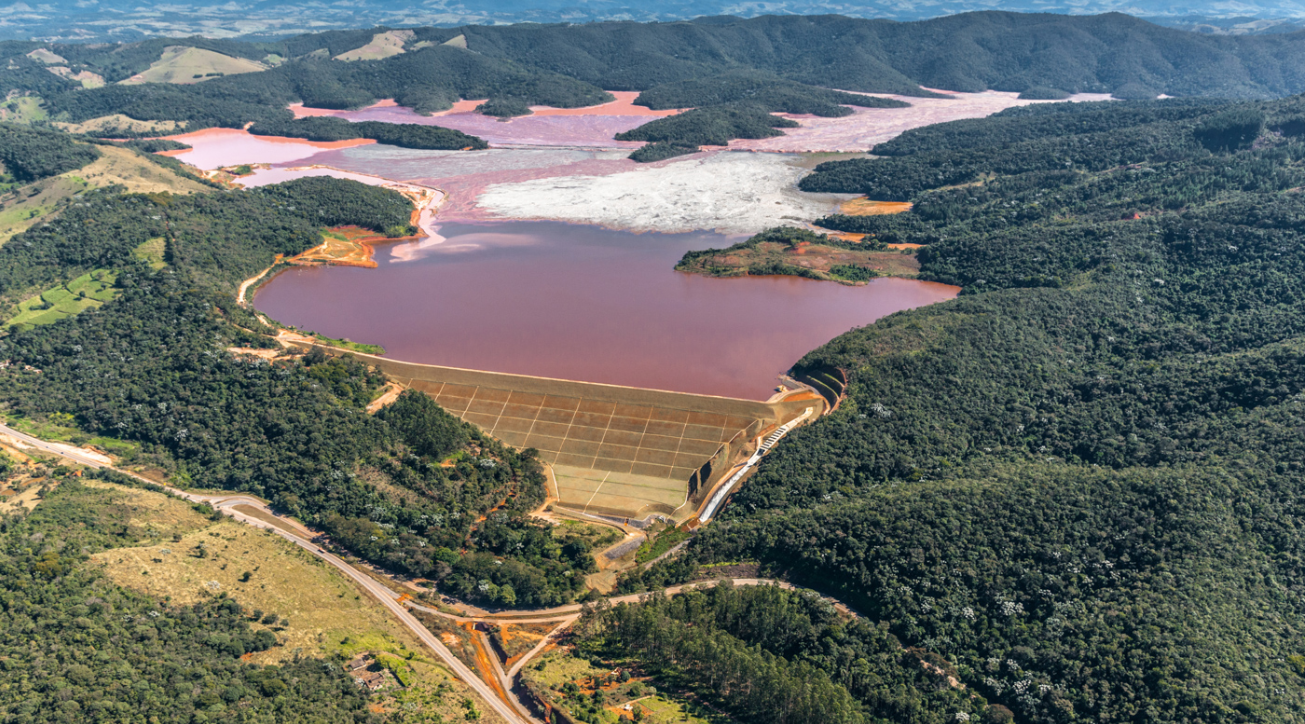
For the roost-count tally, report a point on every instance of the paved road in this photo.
(229, 503)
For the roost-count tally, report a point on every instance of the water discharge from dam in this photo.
(582, 303)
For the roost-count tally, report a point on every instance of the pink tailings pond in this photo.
(582, 303)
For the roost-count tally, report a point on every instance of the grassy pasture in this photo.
(382, 45)
(26, 206)
(312, 609)
(183, 65)
(152, 253)
(88, 291)
(24, 109)
(106, 125)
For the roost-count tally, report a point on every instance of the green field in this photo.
(87, 291)
(152, 253)
(180, 64)
(24, 109)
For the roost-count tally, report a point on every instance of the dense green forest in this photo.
(766, 654)
(75, 647)
(766, 90)
(1078, 484)
(152, 367)
(31, 154)
(403, 135)
(711, 126)
(770, 63)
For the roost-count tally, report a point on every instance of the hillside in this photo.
(44, 170)
(704, 62)
(1083, 469)
(180, 64)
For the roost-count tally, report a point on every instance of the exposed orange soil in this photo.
(391, 394)
(343, 246)
(483, 664)
(905, 246)
(866, 207)
(847, 236)
(529, 634)
(622, 106)
(821, 258)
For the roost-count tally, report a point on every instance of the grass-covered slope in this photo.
(407, 489)
(707, 62)
(76, 646)
(1076, 484)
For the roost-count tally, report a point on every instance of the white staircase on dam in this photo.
(723, 491)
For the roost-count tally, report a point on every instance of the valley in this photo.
(771, 370)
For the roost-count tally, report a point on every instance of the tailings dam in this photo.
(582, 302)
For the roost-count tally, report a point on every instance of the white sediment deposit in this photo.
(739, 193)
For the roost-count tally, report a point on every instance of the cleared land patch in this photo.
(46, 56)
(85, 77)
(152, 252)
(105, 125)
(866, 207)
(88, 291)
(383, 45)
(343, 246)
(180, 64)
(568, 683)
(22, 109)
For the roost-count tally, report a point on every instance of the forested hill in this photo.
(151, 363)
(677, 64)
(1079, 484)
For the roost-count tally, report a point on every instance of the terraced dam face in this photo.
(506, 312)
(615, 451)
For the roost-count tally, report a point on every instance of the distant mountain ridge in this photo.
(734, 72)
(119, 20)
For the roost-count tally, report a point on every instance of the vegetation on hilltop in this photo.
(73, 645)
(1083, 470)
(30, 154)
(403, 135)
(775, 63)
(151, 366)
(712, 126)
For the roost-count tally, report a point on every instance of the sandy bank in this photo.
(217, 147)
(737, 193)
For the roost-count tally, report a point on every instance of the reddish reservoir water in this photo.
(582, 303)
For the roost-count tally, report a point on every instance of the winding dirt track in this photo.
(254, 512)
